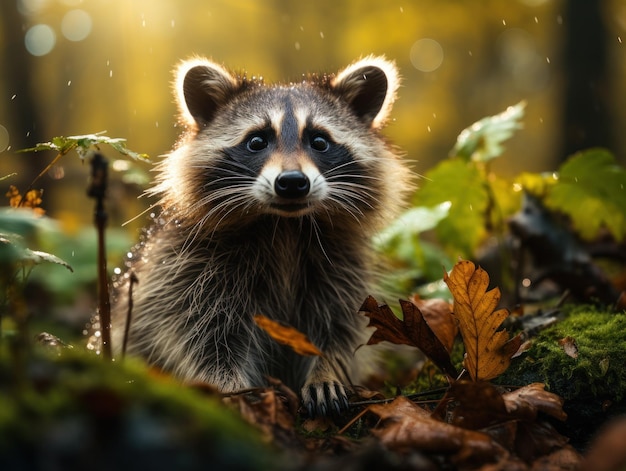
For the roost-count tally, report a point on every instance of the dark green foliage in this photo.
(589, 188)
(78, 412)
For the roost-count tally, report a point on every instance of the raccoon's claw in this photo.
(322, 399)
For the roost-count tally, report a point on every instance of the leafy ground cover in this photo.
(542, 387)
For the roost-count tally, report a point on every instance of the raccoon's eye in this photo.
(320, 143)
(256, 143)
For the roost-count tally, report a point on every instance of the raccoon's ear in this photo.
(202, 87)
(369, 86)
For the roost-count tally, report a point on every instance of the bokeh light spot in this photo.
(31, 7)
(426, 55)
(40, 40)
(76, 25)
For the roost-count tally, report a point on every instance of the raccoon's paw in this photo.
(325, 398)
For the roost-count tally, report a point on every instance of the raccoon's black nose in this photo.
(292, 184)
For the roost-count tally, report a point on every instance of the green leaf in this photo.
(537, 184)
(482, 141)
(23, 222)
(410, 223)
(84, 143)
(19, 228)
(463, 186)
(591, 189)
(37, 257)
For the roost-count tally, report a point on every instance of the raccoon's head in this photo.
(305, 149)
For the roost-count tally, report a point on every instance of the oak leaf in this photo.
(287, 335)
(413, 330)
(488, 350)
(438, 315)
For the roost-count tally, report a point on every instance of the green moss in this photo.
(76, 407)
(600, 369)
(593, 384)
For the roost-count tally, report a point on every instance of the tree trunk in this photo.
(586, 120)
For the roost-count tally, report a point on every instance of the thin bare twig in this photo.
(97, 190)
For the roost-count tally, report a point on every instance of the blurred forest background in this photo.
(83, 66)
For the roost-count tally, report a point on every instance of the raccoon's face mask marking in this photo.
(309, 148)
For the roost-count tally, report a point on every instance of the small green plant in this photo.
(24, 225)
(464, 202)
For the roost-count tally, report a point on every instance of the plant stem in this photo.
(45, 170)
(97, 190)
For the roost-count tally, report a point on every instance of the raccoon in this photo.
(268, 206)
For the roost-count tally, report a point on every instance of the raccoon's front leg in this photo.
(323, 392)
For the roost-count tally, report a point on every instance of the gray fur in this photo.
(220, 251)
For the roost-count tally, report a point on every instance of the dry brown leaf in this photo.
(562, 458)
(568, 344)
(480, 404)
(269, 410)
(487, 351)
(286, 335)
(407, 426)
(32, 199)
(525, 402)
(537, 439)
(413, 330)
(438, 315)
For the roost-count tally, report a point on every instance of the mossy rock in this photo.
(593, 384)
(76, 411)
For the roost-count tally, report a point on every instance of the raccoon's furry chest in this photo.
(274, 266)
(290, 270)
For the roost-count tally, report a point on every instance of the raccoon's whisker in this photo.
(235, 199)
(358, 193)
(225, 168)
(347, 206)
(241, 201)
(341, 166)
(352, 187)
(356, 176)
(346, 193)
(317, 231)
(275, 231)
